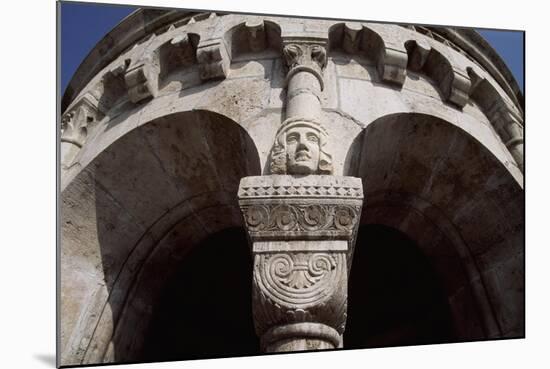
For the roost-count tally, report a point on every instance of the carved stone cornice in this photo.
(281, 207)
(302, 231)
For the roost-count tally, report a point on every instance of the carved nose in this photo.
(302, 145)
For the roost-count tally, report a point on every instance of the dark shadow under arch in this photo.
(395, 296)
(206, 310)
(439, 185)
(145, 201)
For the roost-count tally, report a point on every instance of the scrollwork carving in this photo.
(284, 217)
(298, 280)
(267, 220)
(256, 217)
(297, 287)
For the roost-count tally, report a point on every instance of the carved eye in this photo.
(313, 138)
(291, 138)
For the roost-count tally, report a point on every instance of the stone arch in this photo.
(143, 202)
(434, 182)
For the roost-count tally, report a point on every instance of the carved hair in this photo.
(278, 152)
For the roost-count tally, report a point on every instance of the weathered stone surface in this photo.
(302, 231)
(213, 59)
(189, 125)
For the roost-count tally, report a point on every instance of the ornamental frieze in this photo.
(300, 219)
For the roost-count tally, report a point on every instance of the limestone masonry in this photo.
(299, 134)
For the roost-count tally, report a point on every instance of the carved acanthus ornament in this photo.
(306, 56)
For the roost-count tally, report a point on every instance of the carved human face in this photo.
(302, 150)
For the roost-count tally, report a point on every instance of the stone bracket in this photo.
(213, 59)
(457, 88)
(371, 39)
(352, 37)
(454, 84)
(142, 77)
(392, 66)
(507, 123)
(178, 52)
(418, 54)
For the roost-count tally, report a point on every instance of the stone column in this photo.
(302, 232)
(301, 220)
(305, 61)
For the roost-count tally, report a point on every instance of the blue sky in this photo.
(83, 25)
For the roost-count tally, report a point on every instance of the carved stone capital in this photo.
(76, 121)
(305, 55)
(302, 231)
(299, 286)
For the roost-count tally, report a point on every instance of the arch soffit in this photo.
(134, 192)
(476, 211)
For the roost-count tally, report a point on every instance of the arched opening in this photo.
(205, 310)
(395, 296)
(133, 215)
(460, 204)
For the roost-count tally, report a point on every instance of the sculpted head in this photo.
(298, 149)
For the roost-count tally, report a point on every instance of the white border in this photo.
(28, 183)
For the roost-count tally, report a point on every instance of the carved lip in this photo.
(303, 156)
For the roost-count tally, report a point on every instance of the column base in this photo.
(300, 337)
